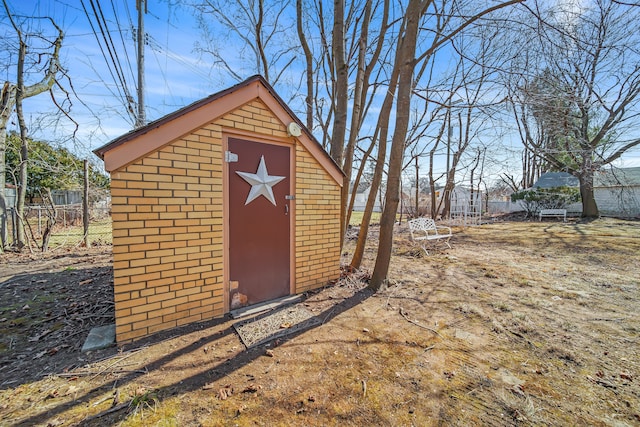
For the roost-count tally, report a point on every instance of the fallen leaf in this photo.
(252, 388)
(627, 377)
(85, 282)
(224, 393)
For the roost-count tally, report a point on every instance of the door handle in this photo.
(286, 209)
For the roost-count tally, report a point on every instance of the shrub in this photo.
(534, 199)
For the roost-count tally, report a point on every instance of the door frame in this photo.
(262, 139)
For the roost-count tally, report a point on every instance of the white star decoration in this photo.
(261, 183)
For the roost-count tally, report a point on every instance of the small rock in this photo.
(269, 353)
(365, 330)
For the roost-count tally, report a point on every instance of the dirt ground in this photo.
(520, 323)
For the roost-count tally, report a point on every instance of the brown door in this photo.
(259, 262)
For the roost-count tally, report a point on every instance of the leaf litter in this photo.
(520, 323)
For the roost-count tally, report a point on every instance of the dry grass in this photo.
(518, 324)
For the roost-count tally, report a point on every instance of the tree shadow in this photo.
(198, 380)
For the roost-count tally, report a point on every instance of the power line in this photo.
(104, 55)
(124, 46)
(111, 59)
(154, 45)
(106, 34)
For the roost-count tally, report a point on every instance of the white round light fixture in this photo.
(294, 130)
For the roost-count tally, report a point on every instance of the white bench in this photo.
(553, 213)
(424, 230)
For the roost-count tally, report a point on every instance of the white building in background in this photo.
(617, 191)
(362, 194)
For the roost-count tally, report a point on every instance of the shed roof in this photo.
(139, 142)
(556, 179)
(626, 177)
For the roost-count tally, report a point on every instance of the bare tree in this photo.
(367, 61)
(344, 75)
(406, 61)
(262, 30)
(356, 54)
(579, 109)
(11, 97)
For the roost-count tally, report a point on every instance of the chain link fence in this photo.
(64, 225)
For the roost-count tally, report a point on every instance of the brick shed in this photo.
(227, 202)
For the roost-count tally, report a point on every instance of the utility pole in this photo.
(141, 6)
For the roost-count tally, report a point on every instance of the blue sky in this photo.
(174, 74)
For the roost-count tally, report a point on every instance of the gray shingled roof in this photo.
(556, 179)
(626, 177)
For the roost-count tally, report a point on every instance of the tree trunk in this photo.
(356, 181)
(358, 252)
(589, 206)
(85, 203)
(341, 94)
(24, 151)
(308, 57)
(356, 119)
(51, 219)
(405, 61)
(447, 191)
(417, 211)
(7, 102)
(382, 131)
(432, 185)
